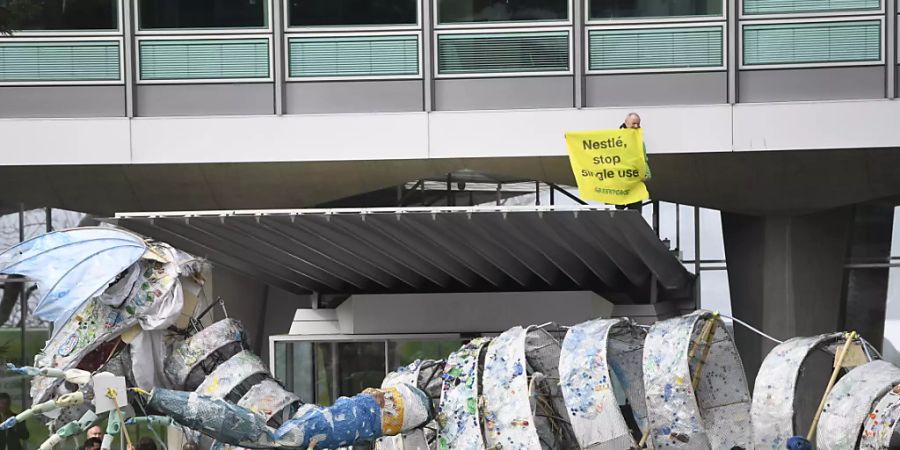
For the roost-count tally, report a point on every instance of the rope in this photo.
(751, 328)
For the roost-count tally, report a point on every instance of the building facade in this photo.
(781, 114)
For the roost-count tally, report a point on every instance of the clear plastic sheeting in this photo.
(231, 373)
(195, 349)
(72, 266)
(597, 356)
(100, 324)
(547, 403)
(459, 417)
(880, 430)
(508, 419)
(414, 440)
(717, 414)
(268, 398)
(772, 411)
(850, 401)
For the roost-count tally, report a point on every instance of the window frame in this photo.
(587, 48)
(882, 51)
(436, 53)
(120, 20)
(588, 21)
(822, 14)
(436, 25)
(119, 82)
(137, 59)
(287, 56)
(138, 31)
(315, 29)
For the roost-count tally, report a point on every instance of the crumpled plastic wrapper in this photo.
(268, 398)
(508, 421)
(598, 357)
(231, 373)
(460, 427)
(850, 401)
(717, 414)
(215, 417)
(880, 430)
(542, 352)
(97, 323)
(197, 348)
(772, 411)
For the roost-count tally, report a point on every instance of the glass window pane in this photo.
(56, 15)
(198, 14)
(473, 11)
(301, 382)
(281, 361)
(325, 362)
(635, 9)
(361, 366)
(337, 13)
(402, 353)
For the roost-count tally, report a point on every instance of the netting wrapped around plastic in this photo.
(602, 380)
(715, 414)
(548, 406)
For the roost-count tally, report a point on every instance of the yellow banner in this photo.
(609, 165)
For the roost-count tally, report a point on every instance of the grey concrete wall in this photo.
(62, 101)
(354, 96)
(504, 93)
(279, 314)
(245, 300)
(656, 89)
(461, 313)
(836, 83)
(204, 99)
(785, 275)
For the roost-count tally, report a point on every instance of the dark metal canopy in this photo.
(411, 250)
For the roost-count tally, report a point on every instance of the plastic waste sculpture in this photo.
(134, 308)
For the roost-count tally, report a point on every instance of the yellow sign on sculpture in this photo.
(609, 165)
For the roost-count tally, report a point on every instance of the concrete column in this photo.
(786, 276)
(866, 285)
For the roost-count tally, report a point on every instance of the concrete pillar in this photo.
(866, 286)
(786, 276)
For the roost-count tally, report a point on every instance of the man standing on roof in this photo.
(633, 120)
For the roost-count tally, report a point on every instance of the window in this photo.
(402, 353)
(200, 14)
(653, 9)
(499, 53)
(350, 13)
(479, 11)
(827, 42)
(64, 15)
(807, 6)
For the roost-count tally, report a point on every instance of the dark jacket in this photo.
(12, 439)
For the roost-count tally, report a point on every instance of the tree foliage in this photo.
(15, 13)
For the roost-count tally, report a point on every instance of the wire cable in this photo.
(753, 329)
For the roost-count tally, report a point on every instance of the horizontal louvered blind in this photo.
(353, 56)
(59, 61)
(655, 48)
(811, 43)
(807, 6)
(487, 53)
(204, 59)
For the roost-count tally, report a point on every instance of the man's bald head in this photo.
(632, 120)
(95, 432)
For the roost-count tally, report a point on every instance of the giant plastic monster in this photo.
(132, 307)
